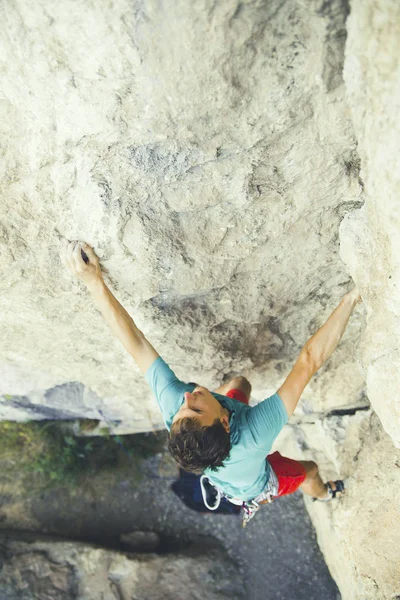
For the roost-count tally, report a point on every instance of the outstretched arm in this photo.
(317, 351)
(82, 261)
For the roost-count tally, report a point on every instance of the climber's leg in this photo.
(313, 484)
(237, 383)
(291, 473)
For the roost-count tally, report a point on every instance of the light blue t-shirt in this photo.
(252, 430)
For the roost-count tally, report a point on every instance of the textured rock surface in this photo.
(137, 541)
(72, 570)
(207, 154)
(370, 241)
(359, 535)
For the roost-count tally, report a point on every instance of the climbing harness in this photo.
(250, 507)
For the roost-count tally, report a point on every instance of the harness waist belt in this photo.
(270, 490)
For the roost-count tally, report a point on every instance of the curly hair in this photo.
(196, 447)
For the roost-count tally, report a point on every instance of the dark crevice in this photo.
(313, 418)
(340, 412)
(43, 412)
(169, 544)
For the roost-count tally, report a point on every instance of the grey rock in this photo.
(369, 236)
(141, 541)
(40, 568)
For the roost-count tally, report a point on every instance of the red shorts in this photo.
(290, 473)
(238, 395)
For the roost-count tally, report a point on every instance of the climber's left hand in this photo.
(81, 260)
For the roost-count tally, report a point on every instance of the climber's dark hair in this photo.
(196, 447)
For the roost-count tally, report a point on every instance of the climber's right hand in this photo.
(354, 295)
(82, 262)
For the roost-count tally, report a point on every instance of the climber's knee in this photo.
(241, 383)
(311, 468)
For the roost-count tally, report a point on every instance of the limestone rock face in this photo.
(359, 535)
(73, 570)
(369, 236)
(211, 154)
(208, 156)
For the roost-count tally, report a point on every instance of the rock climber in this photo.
(217, 434)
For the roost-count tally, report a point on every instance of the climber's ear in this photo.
(225, 422)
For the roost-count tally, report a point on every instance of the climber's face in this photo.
(202, 406)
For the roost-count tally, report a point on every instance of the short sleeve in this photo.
(266, 420)
(167, 388)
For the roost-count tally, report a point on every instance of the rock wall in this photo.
(208, 156)
(360, 535)
(369, 237)
(211, 154)
(51, 568)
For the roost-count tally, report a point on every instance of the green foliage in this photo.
(49, 451)
(88, 424)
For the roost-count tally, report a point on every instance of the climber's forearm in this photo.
(322, 344)
(118, 319)
(123, 326)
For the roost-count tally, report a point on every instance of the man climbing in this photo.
(216, 433)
